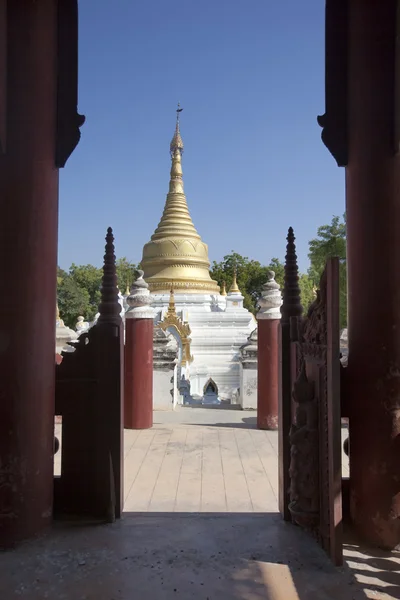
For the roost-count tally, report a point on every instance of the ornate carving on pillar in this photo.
(140, 300)
(69, 120)
(171, 319)
(334, 121)
(291, 305)
(270, 300)
(109, 308)
(304, 463)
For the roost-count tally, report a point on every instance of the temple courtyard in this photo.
(201, 521)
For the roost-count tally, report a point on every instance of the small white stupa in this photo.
(64, 335)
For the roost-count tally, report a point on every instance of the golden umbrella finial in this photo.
(171, 305)
(234, 289)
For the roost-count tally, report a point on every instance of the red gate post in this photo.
(268, 318)
(373, 217)
(28, 250)
(138, 403)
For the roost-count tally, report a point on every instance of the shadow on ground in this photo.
(247, 423)
(159, 556)
(376, 570)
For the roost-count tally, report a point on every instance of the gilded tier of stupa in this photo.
(176, 256)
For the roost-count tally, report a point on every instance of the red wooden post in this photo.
(28, 266)
(138, 403)
(268, 318)
(373, 216)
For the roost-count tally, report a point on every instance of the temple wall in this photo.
(248, 388)
(163, 390)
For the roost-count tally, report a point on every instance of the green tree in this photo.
(88, 278)
(73, 300)
(307, 293)
(126, 273)
(330, 242)
(251, 275)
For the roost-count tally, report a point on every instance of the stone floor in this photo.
(201, 522)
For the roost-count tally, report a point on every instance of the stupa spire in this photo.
(176, 142)
(234, 289)
(176, 255)
(171, 305)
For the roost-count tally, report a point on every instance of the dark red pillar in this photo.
(28, 266)
(267, 393)
(138, 389)
(268, 318)
(373, 238)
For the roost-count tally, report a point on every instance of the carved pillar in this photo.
(291, 307)
(138, 405)
(268, 318)
(373, 217)
(30, 74)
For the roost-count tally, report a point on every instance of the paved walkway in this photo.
(203, 460)
(182, 465)
(201, 523)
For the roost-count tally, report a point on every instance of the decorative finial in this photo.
(140, 299)
(178, 111)
(176, 142)
(270, 300)
(127, 291)
(234, 289)
(171, 305)
(223, 291)
(109, 307)
(291, 306)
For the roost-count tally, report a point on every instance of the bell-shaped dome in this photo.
(176, 256)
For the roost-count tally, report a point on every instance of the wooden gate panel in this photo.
(89, 398)
(310, 476)
(315, 469)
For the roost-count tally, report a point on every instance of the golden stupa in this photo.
(176, 257)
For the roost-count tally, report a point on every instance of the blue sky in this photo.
(250, 77)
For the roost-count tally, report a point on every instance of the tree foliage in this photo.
(126, 273)
(78, 291)
(330, 242)
(251, 276)
(73, 300)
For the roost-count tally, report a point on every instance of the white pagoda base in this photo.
(219, 327)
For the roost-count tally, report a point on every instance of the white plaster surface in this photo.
(217, 334)
(162, 400)
(248, 389)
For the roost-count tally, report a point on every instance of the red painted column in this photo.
(373, 259)
(138, 389)
(28, 251)
(268, 318)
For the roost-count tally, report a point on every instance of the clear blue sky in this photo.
(250, 77)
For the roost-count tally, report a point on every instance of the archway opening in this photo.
(210, 387)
